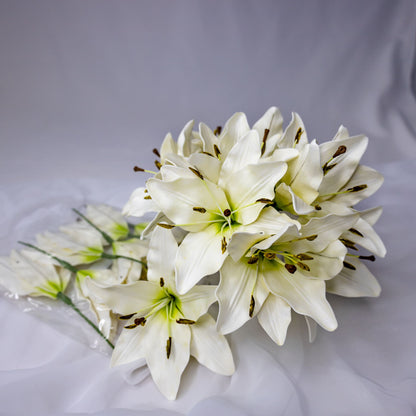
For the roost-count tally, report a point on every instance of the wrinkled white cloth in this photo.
(89, 88)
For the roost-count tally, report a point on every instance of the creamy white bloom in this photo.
(163, 326)
(30, 273)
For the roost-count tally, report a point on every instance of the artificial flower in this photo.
(163, 326)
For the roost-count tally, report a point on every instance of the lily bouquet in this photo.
(258, 219)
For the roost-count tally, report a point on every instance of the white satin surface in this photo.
(89, 88)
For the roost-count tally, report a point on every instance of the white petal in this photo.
(178, 198)
(344, 165)
(161, 255)
(166, 373)
(11, 281)
(327, 263)
(269, 222)
(253, 182)
(196, 301)
(244, 152)
(210, 348)
(168, 146)
(239, 282)
(287, 200)
(208, 137)
(235, 128)
(283, 155)
(273, 121)
(308, 177)
(305, 296)
(354, 283)
(342, 133)
(137, 205)
(126, 299)
(275, 317)
(209, 166)
(371, 215)
(369, 239)
(362, 176)
(326, 229)
(289, 135)
(108, 219)
(184, 139)
(200, 254)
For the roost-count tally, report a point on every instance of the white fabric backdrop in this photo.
(88, 88)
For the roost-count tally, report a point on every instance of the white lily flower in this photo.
(163, 326)
(213, 212)
(76, 244)
(280, 272)
(108, 220)
(30, 273)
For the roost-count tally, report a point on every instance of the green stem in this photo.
(104, 234)
(63, 263)
(61, 296)
(117, 256)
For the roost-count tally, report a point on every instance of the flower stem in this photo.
(61, 296)
(63, 263)
(117, 256)
(104, 234)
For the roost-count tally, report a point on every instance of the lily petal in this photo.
(167, 372)
(275, 317)
(252, 183)
(239, 282)
(271, 120)
(210, 348)
(200, 254)
(168, 146)
(161, 256)
(126, 299)
(196, 301)
(354, 283)
(288, 137)
(184, 139)
(137, 205)
(305, 296)
(108, 219)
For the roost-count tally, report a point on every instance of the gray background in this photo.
(88, 88)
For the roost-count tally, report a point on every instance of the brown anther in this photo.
(326, 168)
(318, 208)
(312, 237)
(168, 347)
(253, 260)
(147, 197)
(354, 231)
(223, 245)
(218, 130)
(265, 135)
(207, 153)
(137, 169)
(340, 151)
(167, 226)
(185, 321)
(146, 191)
(161, 282)
(270, 256)
(140, 321)
(216, 150)
(291, 268)
(200, 209)
(348, 243)
(298, 134)
(156, 152)
(370, 258)
(158, 164)
(265, 201)
(132, 326)
(126, 317)
(227, 212)
(252, 305)
(303, 266)
(349, 266)
(357, 188)
(304, 256)
(196, 172)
